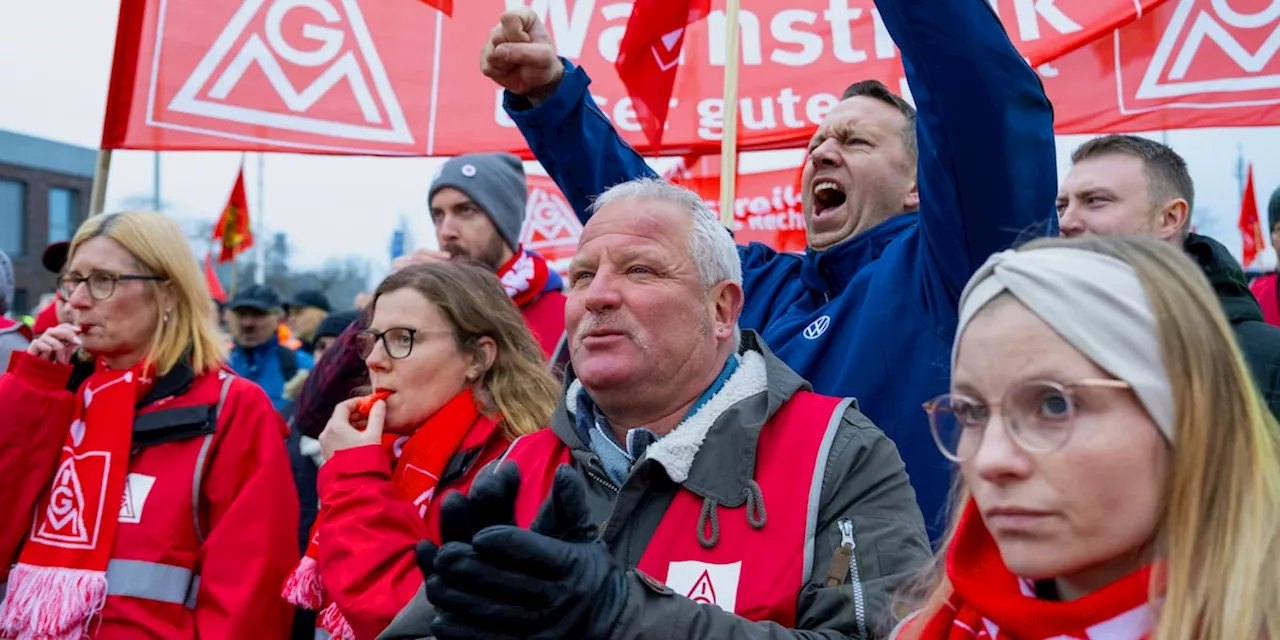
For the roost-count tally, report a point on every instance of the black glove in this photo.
(552, 582)
(492, 502)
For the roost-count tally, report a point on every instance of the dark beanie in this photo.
(335, 323)
(495, 182)
(1273, 209)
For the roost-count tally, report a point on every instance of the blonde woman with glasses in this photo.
(1119, 472)
(147, 490)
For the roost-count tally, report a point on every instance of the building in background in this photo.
(44, 196)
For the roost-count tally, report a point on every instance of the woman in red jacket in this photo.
(464, 377)
(162, 498)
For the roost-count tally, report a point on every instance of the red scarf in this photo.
(524, 276)
(989, 602)
(420, 460)
(60, 582)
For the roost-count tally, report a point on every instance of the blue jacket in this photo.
(875, 316)
(261, 365)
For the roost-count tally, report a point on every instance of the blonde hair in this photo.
(160, 248)
(1219, 539)
(517, 386)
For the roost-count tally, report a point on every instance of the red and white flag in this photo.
(649, 57)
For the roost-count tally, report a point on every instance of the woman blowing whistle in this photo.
(163, 502)
(457, 376)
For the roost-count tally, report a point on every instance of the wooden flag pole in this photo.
(729, 137)
(98, 194)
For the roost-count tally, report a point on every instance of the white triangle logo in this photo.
(328, 48)
(1212, 21)
(669, 41)
(136, 489)
(64, 519)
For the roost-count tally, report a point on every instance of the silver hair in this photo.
(710, 244)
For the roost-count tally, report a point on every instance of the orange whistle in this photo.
(365, 406)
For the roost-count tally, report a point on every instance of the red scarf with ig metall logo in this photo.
(60, 582)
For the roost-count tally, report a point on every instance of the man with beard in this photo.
(477, 204)
(900, 208)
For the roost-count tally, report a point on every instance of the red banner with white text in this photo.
(767, 209)
(400, 78)
(1186, 64)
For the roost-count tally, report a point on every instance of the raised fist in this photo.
(520, 56)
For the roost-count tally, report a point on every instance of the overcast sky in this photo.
(55, 59)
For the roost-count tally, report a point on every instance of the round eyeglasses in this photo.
(102, 284)
(1039, 416)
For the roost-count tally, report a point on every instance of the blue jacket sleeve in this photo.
(987, 169)
(575, 142)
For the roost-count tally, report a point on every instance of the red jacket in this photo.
(1264, 289)
(208, 569)
(545, 318)
(371, 573)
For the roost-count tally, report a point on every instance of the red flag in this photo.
(445, 6)
(649, 57)
(211, 278)
(1250, 227)
(232, 231)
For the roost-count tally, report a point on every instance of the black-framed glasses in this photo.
(1039, 416)
(397, 341)
(102, 284)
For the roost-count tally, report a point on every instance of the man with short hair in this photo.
(900, 208)
(719, 477)
(1129, 185)
(477, 204)
(257, 354)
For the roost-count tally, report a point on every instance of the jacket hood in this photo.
(1226, 276)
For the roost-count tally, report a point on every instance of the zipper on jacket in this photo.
(603, 481)
(859, 602)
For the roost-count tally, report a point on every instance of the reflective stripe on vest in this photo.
(152, 581)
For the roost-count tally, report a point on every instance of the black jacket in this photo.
(1259, 341)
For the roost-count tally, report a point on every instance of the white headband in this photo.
(1095, 302)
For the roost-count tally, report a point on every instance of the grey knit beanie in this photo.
(6, 282)
(495, 182)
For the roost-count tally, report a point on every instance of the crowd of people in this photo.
(938, 422)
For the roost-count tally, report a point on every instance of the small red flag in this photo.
(445, 6)
(649, 56)
(211, 279)
(233, 232)
(1250, 226)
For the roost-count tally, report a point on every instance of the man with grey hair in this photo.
(735, 502)
(12, 336)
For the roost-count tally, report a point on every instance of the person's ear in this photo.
(1172, 219)
(726, 299)
(483, 357)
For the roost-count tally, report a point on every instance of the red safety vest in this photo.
(756, 573)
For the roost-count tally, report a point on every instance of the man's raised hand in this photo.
(520, 57)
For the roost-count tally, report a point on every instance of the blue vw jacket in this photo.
(261, 365)
(875, 316)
